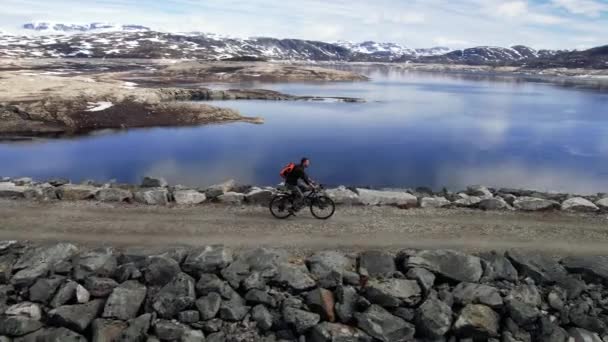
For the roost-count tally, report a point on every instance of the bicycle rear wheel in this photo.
(322, 207)
(280, 205)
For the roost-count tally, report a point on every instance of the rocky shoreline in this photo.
(64, 292)
(156, 191)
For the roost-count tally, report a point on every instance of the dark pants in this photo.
(298, 194)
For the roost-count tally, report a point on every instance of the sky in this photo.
(554, 24)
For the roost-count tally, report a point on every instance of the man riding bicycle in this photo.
(297, 180)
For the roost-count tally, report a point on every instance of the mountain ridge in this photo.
(103, 40)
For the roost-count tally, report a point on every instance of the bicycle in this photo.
(282, 204)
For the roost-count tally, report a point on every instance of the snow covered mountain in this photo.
(99, 40)
(59, 28)
(373, 51)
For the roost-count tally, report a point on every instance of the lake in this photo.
(416, 129)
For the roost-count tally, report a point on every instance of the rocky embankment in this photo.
(68, 293)
(156, 191)
(65, 103)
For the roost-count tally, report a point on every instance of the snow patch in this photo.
(98, 106)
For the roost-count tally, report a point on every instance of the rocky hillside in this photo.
(68, 293)
(133, 41)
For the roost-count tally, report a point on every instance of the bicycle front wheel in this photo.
(322, 207)
(279, 206)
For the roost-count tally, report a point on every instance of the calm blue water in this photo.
(416, 129)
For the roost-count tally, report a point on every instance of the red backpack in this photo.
(287, 169)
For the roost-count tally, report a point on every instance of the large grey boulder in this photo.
(43, 192)
(25, 309)
(374, 197)
(541, 268)
(498, 267)
(208, 306)
(160, 270)
(125, 301)
(467, 202)
(424, 277)
(100, 287)
(332, 332)
(328, 267)
(38, 262)
(76, 317)
(479, 191)
(234, 309)
(44, 289)
(469, 293)
(495, 203)
(602, 204)
(534, 204)
(593, 267)
(522, 313)
(262, 317)
(322, 302)
(393, 293)
(11, 191)
(76, 192)
(208, 259)
(189, 197)
(342, 195)
(113, 195)
(433, 318)
(18, 326)
(381, 325)
(65, 294)
(150, 182)
(528, 294)
(377, 264)
(295, 277)
(153, 196)
(259, 197)
(105, 330)
(236, 273)
(6, 267)
(210, 283)
(100, 262)
(170, 330)
(346, 303)
(256, 296)
(434, 202)
(579, 204)
(449, 264)
(137, 329)
(477, 320)
(174, 297)
(217, 190)
(233, 198)
(301, 320)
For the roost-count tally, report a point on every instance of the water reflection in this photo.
(416, 129)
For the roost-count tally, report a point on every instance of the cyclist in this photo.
(297, 181)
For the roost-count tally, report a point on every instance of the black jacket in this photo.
(297, 173)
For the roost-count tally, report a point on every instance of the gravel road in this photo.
(355, 228)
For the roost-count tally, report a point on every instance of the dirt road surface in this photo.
(124, 225)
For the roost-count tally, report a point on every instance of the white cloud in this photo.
(513, 8)
(589, 8)
(444, 41)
